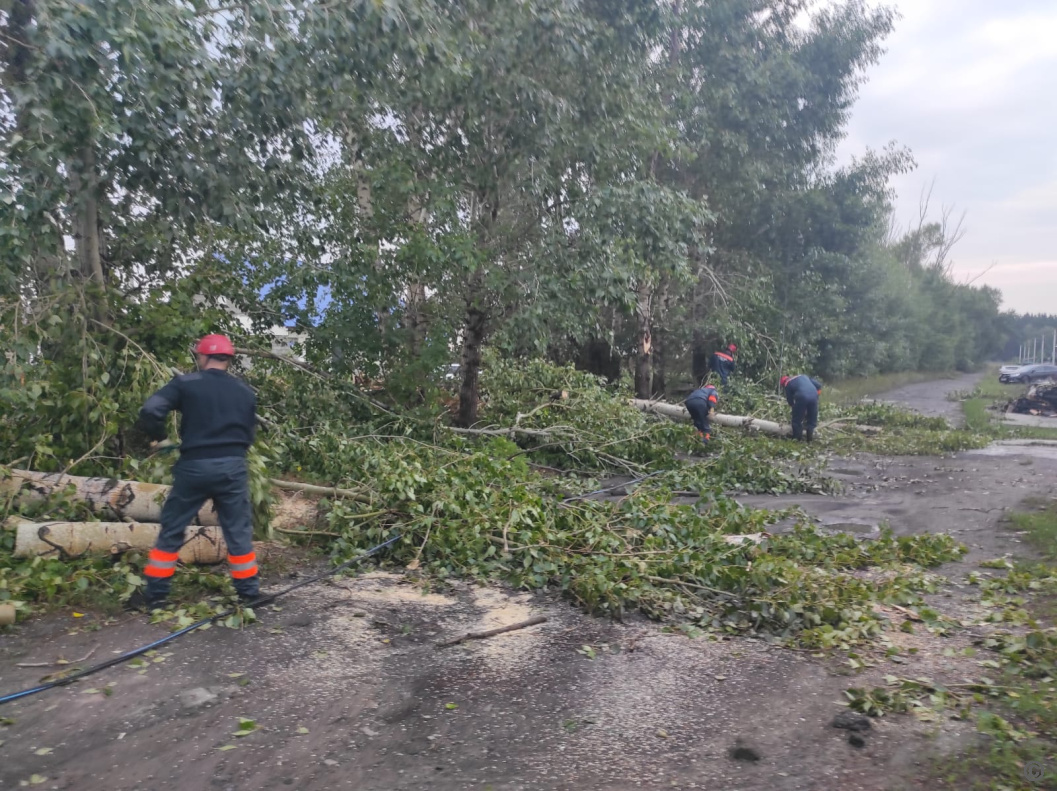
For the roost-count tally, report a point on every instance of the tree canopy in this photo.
(627, 185)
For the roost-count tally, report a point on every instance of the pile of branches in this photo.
(512, 497)
(1040, 400)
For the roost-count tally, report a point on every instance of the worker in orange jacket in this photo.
(722, 363)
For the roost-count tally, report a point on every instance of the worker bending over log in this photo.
(700, 404)
(217, 426)
(801, 393)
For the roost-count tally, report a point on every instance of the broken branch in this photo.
(60, 662)
(326, 491)
(493, 632)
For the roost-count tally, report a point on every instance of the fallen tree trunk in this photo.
(139, 502)
(676, 412)
(204, 545)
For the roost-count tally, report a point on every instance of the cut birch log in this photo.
(140, 502)
(203, 545)
(7, 614)
(676, 412)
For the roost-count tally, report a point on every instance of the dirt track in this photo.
(930, 398)
(349, 691)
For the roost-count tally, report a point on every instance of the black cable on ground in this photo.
(266, 599)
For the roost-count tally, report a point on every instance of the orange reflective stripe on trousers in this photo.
(243, 566)
(161, 564)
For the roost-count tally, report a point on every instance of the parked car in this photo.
(1008, 369)
(1030, 373)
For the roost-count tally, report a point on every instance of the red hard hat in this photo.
(215, 344)
(732, 347)
(783, 381)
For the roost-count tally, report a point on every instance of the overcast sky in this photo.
(970, 86)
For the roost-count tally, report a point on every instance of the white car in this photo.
(1007, 369)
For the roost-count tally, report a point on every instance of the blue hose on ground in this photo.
(117, 660)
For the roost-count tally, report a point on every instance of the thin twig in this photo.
(61, 662)
(153, 360)
(305, 532)
(493, 632)
(668, 581)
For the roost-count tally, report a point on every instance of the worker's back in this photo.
(802, 388)
(218, 414)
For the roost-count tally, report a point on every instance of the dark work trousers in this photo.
(699, 409)
(723, 373)
(226, 482)
(804, 411)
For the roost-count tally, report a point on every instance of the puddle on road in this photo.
(850, 527)
(1039, 448)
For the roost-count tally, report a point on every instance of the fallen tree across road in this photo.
(676, 412)
(751, 424)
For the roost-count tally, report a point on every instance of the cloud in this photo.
(968, 85)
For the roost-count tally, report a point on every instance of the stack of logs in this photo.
(136, 506)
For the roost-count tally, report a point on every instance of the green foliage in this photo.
(1040, 527)
(468, 516)
(1017, 705)
(594, 430)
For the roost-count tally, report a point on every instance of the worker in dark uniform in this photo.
(217, 426)
(699, 404)
(801, 393)
(722, 363)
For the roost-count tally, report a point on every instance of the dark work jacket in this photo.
(707, 393)
(218, 414)
(722, 363)
(802, 388)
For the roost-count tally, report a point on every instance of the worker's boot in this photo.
(249, 590)
(141, 601)
(810, 435)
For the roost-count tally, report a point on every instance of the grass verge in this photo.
(980, 418)
(1019, 722)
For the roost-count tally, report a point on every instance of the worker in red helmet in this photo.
(217, 426)
(722, 363)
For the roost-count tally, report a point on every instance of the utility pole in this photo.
(1033, 342)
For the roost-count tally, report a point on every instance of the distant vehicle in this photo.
(1008, 369)
(1029, 373)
